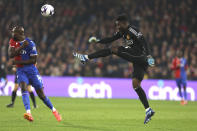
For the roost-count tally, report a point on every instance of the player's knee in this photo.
(29, 88)
(179, 86)
(15, 87)
(184, 85)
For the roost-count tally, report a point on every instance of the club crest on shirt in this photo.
(128, 37)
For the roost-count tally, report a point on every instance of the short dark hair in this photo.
(19, 29)
(122, 17)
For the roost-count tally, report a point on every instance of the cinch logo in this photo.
(166, 92)
(7, 90)
(85, 90)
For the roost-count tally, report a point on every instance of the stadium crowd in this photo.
(168, 26)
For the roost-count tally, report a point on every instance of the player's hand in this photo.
(25, 44)
(14, 69)
(151, 61)
(93, 39)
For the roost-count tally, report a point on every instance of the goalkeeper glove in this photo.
(151, 61)
(93, 39)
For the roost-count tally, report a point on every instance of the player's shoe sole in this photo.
(149, 114)
(28, 116)
(57, 115)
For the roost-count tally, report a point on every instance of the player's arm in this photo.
(12, 51)
(106, 40)
(146, 45)
(32, 60)
(138, 36)
(175, 64)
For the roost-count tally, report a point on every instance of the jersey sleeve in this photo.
(106, 40)
(12, 43)
(33, 50)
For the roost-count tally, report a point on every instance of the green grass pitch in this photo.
(99, 115)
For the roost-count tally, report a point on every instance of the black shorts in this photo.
(140, 64)
(139, 71)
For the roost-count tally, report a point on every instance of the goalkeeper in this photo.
(136, 50)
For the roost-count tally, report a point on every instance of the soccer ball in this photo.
(47, 10)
